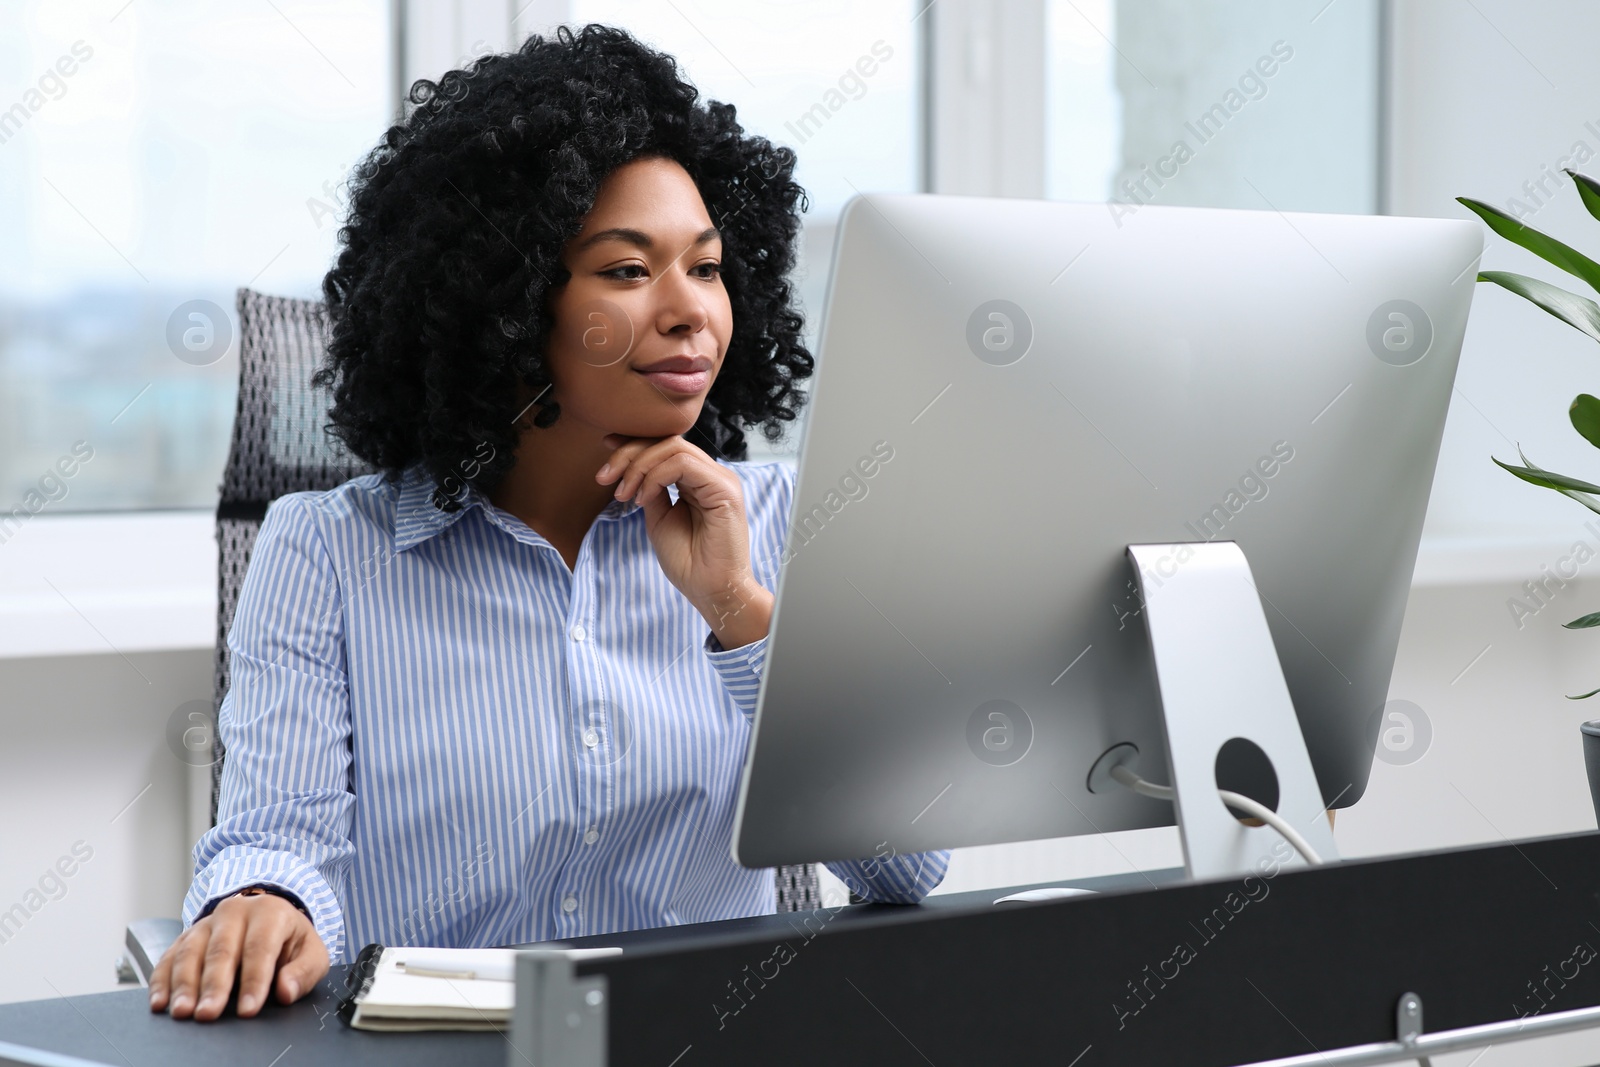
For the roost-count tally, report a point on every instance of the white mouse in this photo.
(1054, 892)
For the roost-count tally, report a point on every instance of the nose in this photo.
(680, 302)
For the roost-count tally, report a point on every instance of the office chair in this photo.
(279, 447)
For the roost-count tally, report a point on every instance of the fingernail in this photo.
(294, 988)
(180, 1003)
(605, 470)
(247, 1003)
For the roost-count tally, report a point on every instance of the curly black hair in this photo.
(456, 224)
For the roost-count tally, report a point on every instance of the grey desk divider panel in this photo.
(1235, 971)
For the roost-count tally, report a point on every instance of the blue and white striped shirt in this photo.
(438, 734)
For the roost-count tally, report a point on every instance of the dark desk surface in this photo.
(119, 1028)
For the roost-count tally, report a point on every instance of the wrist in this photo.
(263, 889)
(739, 613)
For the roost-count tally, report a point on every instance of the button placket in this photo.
(592, 726)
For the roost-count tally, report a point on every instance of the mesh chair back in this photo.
(279, 447)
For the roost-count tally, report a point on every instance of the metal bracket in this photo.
(559, 1020)
(1408, 1023)
(1220, 679)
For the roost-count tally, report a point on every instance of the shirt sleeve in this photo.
(892, 878)
(769, 490)
(740, 670)
(285, 804)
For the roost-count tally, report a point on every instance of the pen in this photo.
(440, 965)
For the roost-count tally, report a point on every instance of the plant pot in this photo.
(1591, 760)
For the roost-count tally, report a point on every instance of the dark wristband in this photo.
(260, 888)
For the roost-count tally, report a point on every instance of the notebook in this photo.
(383, 995)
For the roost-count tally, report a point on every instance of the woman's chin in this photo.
(657, 426)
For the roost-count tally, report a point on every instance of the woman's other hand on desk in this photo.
(253, 937)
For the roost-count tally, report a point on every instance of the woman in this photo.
(502, 691)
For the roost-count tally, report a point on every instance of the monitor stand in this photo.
(1222, 693)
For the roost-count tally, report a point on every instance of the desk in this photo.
(1301, 962)
(119, 1028)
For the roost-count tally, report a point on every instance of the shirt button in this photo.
(591, 738)
(579, 633)
(569, 904)
(591, 836)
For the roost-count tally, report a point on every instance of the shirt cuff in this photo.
(740, 670)
(276, 890)
(894, 879)
(226, 875)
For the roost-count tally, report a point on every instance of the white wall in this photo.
(84, 757)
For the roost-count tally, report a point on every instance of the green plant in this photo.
(1581, 314)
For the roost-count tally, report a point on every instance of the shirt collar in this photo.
(416, 519)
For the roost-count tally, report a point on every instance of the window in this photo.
(1214, 103)
(156, 157)
(153, 158)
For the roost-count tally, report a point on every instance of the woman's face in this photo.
(642, 325)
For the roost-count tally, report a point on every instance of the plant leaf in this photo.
(1584, 696)
(1591, 619)
(1542, 245)
(1585, 414)
(1588, 191)
(1576, 311)
(1581, 498)
(1549, 479)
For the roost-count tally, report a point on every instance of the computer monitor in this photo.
(1009, 393)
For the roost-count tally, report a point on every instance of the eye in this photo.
(621, 273)
(711, 270)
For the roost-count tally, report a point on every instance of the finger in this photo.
(622, 454)
(264, 945)
(161, 978)
(221, 964)
(656, 509)
(187, 959)
(308, 964)
(654, 481)
(643, 463)
(699, 479)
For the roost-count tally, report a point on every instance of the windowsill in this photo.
(114, 582)
(1511, 558)
(147, 581)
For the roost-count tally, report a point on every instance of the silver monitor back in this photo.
(1008, 393)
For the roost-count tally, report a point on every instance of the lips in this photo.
(686, 375)
(686, 382)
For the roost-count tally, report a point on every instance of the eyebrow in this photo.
(640, 238)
